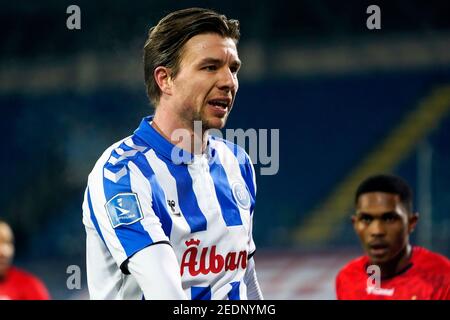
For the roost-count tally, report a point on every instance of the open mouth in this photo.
(378, 249)
(220, 103)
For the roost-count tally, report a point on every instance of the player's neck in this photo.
(180, 133)
(398, 264)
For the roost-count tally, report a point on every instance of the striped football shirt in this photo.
(144, 191)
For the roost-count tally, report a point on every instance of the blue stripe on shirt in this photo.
(158, 196)
(93, 217)
(234, 292)
(200, 293)
(186, 197)
(228, 205)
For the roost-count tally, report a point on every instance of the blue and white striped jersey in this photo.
(138, 195)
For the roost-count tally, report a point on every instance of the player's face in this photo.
(383, 226)
(205, 87)
(6, 248)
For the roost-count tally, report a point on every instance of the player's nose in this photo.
(377, 229)
(227, 81)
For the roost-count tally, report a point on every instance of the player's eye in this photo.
(234, 69)
(389, 217)
(365, 219)
(210, 68)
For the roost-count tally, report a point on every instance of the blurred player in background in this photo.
(16, 284)
(383, 221)
(170, 217)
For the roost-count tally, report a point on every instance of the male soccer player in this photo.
(383, 221)
(168, 210)
(16, 284)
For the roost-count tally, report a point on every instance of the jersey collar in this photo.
(164, 147)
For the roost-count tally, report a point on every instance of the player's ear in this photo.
(163, 79)
(412, 221)
(353, 219)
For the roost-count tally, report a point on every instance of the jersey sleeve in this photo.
(119, 204)
(157, 280)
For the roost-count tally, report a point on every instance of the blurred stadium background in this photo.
(348, 102)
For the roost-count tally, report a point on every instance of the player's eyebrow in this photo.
(390, 214)
(381, 215)
(236, 63)
(364, 214)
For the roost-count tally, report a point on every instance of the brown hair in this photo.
(165, 41)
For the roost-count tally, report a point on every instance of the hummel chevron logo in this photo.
(114, 177)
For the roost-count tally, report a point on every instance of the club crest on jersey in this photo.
(123, 209)
(240, 193)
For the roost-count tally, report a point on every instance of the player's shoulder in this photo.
(430, 258)
(431, 267)
(119, 155)
(22, 275)
(124, 151)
